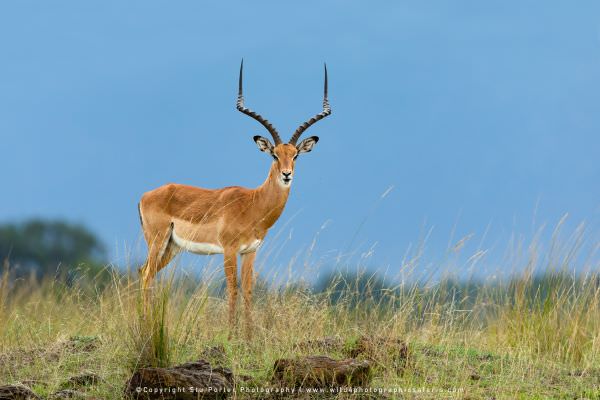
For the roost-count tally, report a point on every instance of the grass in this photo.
(535, 335)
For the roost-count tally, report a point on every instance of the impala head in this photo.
(284, 154)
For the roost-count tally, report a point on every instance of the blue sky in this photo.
(482, 117)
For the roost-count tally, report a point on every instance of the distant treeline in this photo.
(58, 249)
(50, 248)
(528, 288)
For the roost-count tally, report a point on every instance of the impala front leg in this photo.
(230, 262)
(247, 285)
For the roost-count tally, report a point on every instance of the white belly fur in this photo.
(210, 248)
(196, 247)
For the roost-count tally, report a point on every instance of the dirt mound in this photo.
(186, 381)
(17, 392)
(381, 349)
(321, 371)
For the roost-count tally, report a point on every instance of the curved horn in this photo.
(326, 111)
(264, 122)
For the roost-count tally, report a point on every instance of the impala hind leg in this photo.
(247, 286)
(160, 252)
(230, 263)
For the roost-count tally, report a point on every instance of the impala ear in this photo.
(307, 144)
(263, 144)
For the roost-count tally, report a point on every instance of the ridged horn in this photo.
(326, 111)
(258, 117)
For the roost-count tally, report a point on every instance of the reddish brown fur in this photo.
(230, 217)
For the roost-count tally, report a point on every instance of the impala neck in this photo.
(270, 198)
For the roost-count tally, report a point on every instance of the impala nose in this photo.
(286, 177)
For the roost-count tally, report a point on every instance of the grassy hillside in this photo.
(530, 337)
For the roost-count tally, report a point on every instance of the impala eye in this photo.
(275, 157)
(296, 156)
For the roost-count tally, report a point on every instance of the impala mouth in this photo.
(286, 180)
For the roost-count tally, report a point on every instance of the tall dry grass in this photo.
(545, 312)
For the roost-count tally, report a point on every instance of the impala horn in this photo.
(264, 122)
(326, 111)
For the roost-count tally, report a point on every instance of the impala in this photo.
(229, 221)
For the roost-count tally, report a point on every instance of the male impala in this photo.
(229, 221)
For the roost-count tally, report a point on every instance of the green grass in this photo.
(533, 336)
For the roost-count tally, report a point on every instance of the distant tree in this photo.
(41, 246)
